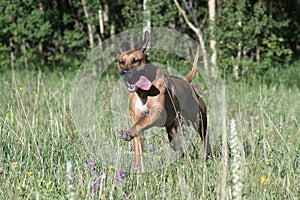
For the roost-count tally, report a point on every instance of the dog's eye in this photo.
(121, 62)
(135, 60)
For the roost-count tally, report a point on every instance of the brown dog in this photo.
(157, 99)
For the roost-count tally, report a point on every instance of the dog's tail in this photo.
(194, 69)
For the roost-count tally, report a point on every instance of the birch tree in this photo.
(147, 17)
(196, 30)
(212, 39)
(89, 25)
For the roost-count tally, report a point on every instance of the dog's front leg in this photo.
(138, 142)
(138, 151)
(156, 117)
(143, 116)
(136, 133)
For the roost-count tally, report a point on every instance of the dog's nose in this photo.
(124, 71)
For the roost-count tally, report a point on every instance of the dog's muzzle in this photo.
(130, 79)
(134, 80)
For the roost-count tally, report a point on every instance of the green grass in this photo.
(38, 138)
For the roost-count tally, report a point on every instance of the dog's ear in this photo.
(145, 41)
(124, 47)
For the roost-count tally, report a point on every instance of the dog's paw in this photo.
(125, 136)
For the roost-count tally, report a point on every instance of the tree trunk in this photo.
(101, 27)
(41, 8)
(12, 45)
(257, 53)
(12, 53)
(197, 31)
(235, 69)
(89, 26)
(105, 15)
(100, 15)
(213, 60)
(147, 17)
(212, 42)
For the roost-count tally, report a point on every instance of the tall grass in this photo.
(38, 139)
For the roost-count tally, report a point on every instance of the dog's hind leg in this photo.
(202, 130)
(174, 131)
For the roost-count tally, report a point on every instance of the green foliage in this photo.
(163, 13)
(133, 14)
(55, 34)
(254, 29)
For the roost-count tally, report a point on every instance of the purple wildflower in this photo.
(197, 87)
(120, 178)
(97, 181)
(95, 184)
(91, 165)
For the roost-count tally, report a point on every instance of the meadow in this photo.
(42, 155)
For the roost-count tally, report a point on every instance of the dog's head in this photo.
(131, 65)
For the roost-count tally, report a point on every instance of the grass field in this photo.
(43, 157)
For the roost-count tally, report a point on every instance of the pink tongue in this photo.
(143, 83)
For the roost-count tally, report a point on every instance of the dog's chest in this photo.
(141, 105)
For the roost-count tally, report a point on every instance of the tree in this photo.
(197, 31)
(89, 25)
(212, 38)
(250, 37)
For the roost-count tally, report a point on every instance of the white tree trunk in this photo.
(235, 69)
(198, 33)
(41, 8)
(212, 42)
(101, 26)
(213, 67)
(147, 17)
(101, 21)
(89, 26)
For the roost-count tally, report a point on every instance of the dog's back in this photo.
(190, 103)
